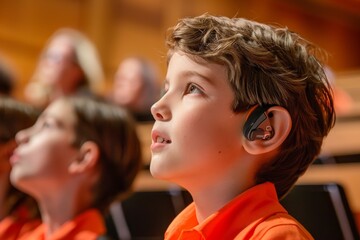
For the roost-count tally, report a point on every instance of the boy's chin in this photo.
(155, 169)
(158, 169)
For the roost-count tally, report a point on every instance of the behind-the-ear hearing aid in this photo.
(251, 128)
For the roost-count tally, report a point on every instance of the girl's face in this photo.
(196, 137)
(40, 162)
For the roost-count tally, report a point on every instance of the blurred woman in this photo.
(68, 65)
(136, 87)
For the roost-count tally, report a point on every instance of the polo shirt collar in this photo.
(250, 206)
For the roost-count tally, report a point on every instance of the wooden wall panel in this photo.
(120, 28)
(25, 26)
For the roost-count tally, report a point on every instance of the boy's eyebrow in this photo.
(190, 73)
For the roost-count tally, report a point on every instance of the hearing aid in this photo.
(252, 129)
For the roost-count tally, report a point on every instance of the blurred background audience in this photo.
(68, 65)
(136, 87)
(343, 102)
(7, 78)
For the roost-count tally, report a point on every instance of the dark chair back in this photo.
(323, 210)
(145, 215)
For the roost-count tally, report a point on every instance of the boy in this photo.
(75, 160)
(245, 110)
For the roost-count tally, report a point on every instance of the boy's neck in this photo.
(215, 195)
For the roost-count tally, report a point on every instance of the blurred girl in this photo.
(18, 212)
(79, 156)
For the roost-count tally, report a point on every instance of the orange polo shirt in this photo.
(88, 225)
(12, 229)
(255, 214)
(19, 223)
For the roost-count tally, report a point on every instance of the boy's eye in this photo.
(193, 89)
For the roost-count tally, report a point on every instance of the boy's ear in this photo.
(88, 157)
(281, 124)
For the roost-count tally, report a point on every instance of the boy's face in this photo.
(44, 152)
(196, 137)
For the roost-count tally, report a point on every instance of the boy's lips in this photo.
(159, 140)
(162, 140)
(157, 137)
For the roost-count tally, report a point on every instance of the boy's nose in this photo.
(160, 112)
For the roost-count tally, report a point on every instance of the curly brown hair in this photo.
(267, 65)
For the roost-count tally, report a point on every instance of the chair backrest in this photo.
(323, 210)
(146, 214)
